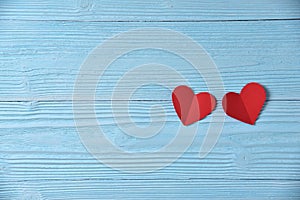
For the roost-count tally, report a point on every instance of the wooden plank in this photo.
(40, 142)
(229, 160)
(40, 60)
(154, 10)
(59, 114)
(152, 189)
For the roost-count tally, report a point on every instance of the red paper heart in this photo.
(191, 108)
(247, 105)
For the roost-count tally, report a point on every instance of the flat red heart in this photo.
(191, 108)
(247, 105)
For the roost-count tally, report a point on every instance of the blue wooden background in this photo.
(42, 45)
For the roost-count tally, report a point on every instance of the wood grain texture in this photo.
(42, 45)
(41, 60)
(149, 10)
(149, 189)
(41, 154)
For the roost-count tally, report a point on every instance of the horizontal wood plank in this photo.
(150, 189)
(39, 141)
(154, 10)
(59, 114)
(41, 60)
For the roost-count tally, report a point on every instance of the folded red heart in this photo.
(247, 105)
(191, 108)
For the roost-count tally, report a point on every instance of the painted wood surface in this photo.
(42, 59)
(154, 10)
(43, 44)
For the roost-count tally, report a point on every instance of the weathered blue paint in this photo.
(42, 45)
